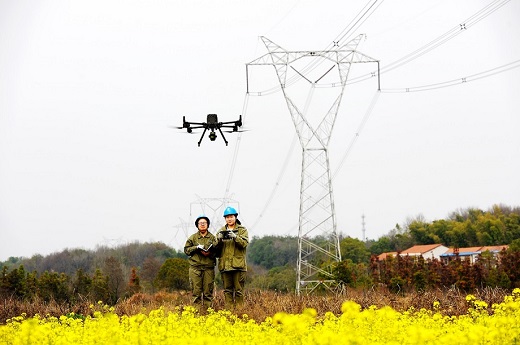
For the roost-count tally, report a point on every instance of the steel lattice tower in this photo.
(212, 208)
(306, 71)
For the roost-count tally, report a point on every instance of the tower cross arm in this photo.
(288, 57)
(355, 56)
(265, 59)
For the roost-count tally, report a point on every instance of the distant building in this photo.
(470, 253)
(427, 251)
(383, 256)
(440, 252)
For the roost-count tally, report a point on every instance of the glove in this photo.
(220, 236)
(232, 235)
(200, 246)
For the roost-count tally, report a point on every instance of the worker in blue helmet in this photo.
(201, 249)
(232, 241)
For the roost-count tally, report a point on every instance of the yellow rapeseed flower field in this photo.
(354, 326)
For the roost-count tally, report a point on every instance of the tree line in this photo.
(111, 273)
(405, 273)
(469, 227)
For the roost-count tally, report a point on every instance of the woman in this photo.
(232, 241)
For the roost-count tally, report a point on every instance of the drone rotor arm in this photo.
(231, 123)
(187, 123)
(197, 127)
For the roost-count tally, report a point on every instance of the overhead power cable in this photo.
(358, 132)
(361, 17)
(445, 37)
(458, 81)
(440, 40)
(237, 147)
(277, 184)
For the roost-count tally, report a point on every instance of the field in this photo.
(355, 317)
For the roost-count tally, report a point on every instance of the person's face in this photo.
(203, 226)
(231, 219)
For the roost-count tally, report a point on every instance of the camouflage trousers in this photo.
(202, 282)
(234, 282)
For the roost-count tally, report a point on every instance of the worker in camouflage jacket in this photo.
(201, 249)
(232, 241)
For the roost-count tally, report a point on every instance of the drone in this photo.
(212, 124)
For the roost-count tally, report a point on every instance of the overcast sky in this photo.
(89, 90)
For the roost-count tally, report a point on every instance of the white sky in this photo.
(89, 89)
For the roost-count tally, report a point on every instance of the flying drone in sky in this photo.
(212, 124)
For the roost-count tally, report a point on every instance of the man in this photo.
(201, 247)
(232, 243)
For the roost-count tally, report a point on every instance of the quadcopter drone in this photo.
(212, 124)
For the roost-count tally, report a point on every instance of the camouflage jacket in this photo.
(232, 252)
(196, 258)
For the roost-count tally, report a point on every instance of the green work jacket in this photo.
(196, 258)
(232, 252)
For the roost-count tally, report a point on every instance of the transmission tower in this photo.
(301, 72)
(212, 208)
(178, 240)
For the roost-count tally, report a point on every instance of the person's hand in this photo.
(220, 236)
(232, 235)
(200, 246)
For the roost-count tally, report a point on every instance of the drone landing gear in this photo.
(202, 136)
(212, 136)
(223, 137)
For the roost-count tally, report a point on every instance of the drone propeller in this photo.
(240, 130)
(189, 130)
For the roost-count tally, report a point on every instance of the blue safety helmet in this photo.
(230, 211)
(199, 218)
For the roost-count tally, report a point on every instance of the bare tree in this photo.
(116, 281)
(149, 271)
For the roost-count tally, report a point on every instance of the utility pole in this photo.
(363, 227)
(300, 73)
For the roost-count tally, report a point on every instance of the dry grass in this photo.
(261, 304)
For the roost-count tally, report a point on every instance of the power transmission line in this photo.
(445, 37)
(458, 81)
(365, 13)
(235, 152)
(277, 183)
(358, 132)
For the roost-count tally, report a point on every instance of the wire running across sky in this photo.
(440, 40)
(458, 81)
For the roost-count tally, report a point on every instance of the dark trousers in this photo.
(202, 281)
(234, 282)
